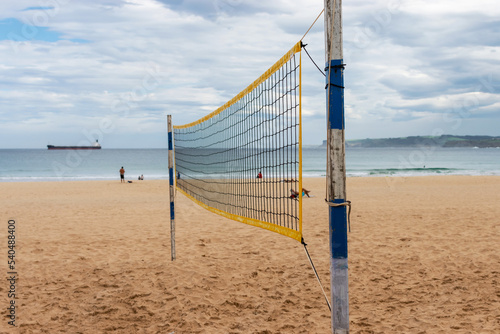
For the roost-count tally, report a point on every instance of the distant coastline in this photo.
(416, 141)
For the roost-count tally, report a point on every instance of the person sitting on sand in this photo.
(259, 176)
(122, 175)
(295, 194)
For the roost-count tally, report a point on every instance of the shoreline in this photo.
(89, 179)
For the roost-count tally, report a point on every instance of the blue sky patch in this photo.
(15, 30)
(38, 8)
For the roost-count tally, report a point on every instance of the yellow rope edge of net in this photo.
(297, 235)
(295, 49)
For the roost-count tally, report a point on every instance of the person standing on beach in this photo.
(122, 175)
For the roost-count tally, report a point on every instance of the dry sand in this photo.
(94, 257)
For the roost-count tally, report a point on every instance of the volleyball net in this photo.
(244, 160)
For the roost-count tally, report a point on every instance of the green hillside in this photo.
(416, 141)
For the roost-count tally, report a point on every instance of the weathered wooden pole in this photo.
(336, 173)
(171, 179)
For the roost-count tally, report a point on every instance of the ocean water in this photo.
(408, 161)
(44, 165)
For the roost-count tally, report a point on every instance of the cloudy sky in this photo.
(73, 70)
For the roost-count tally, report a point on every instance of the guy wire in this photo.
(312, 24)
(316, 273)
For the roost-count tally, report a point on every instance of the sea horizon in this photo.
(31, 165)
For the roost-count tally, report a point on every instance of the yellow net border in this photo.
(283, 230)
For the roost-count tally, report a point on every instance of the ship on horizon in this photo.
(95, 146)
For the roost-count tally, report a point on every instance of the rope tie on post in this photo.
(346, 203)
(335, 67)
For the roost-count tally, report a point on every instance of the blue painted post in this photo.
(171, 185)
(336, 173)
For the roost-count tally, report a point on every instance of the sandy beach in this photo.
(94, 257)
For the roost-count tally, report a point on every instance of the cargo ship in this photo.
(95, 146)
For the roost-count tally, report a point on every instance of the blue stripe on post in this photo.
(172, 211)
(338, 230)
(170, 146)
(171, 176)
(335, 84)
